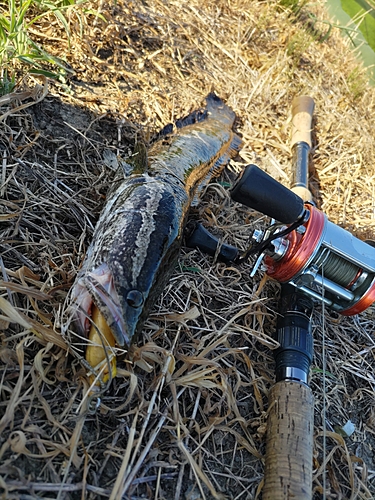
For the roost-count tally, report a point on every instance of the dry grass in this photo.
(186, 415)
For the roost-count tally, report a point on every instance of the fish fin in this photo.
(126, 168)
(164, 132)
(213, 104)
(110, 159)
(200, 188)
(218, 166)
(193, 117)
(137, 163)
(234, 147)
(139, 159)
(230, 152)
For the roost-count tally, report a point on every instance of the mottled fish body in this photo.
(138, 235)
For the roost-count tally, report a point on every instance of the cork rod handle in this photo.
(289, 445)
(302, 113)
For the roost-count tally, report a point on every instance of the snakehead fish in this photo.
(137, 239)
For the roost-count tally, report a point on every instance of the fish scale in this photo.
(137, 239)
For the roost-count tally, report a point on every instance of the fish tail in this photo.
(216, 107)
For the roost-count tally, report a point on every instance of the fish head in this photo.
(142, 257)
(135, 254)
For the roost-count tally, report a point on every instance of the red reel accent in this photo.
(363, 303)
(301, 247)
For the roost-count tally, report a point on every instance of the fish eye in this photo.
(134, 298)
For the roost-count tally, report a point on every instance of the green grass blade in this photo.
(12, 14)
(50, 7)
(4, 23)
(43, 72)
(22, 13)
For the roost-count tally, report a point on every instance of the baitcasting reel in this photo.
(303, 248)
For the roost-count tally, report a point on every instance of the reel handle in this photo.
(258, 190)
(199, 237)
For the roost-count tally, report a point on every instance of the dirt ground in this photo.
(186, 416)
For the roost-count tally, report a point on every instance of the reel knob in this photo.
(258, 190)
(199, 237)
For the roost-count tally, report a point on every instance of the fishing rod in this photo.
(315, 261)
(290, 424)
(289, 442)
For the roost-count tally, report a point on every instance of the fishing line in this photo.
(324, 366)
(260, 247)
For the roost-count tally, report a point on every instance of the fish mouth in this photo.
(97, 288)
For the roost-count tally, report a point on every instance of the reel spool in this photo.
(314, 255)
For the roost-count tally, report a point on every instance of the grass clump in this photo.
(19, 50)
(298, 44)
(294, 6)
(356, 82)
(7, 83)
